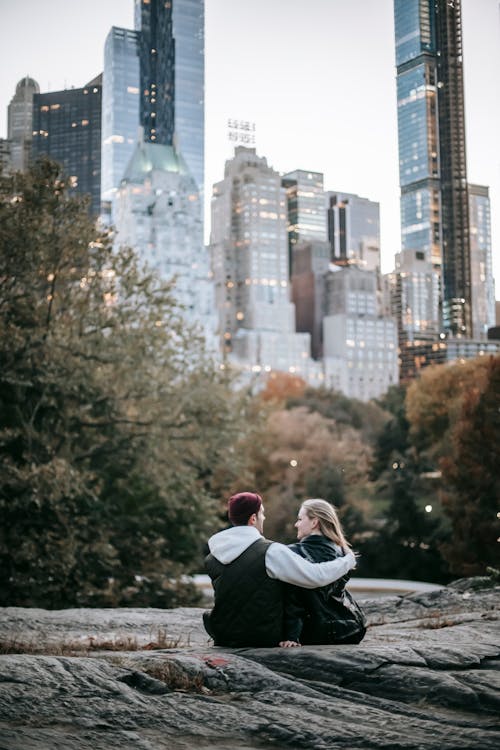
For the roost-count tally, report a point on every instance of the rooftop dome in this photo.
(27, 83)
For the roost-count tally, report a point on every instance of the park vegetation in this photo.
(120, 438)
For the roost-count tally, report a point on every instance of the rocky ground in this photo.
(427, 675)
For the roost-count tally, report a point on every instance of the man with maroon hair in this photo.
(247, 572)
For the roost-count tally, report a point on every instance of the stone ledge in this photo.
(427, 675)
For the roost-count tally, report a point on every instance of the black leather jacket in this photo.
(323, 615)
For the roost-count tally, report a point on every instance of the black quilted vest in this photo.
(248, 608)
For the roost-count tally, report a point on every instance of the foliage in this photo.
(367, 417)
(303, 454)
(408, 544)
(434, 402)
(281, 386)
(392, 439)
(113, 422)
(471, 476)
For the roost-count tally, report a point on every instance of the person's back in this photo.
(248, 608)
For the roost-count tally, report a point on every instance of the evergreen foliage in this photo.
(408, 543)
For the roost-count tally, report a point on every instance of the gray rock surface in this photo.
(427, 675)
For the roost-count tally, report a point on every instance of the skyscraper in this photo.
(250, 264)
(157, 70)
(172, 73)
(5, 154)
(360, 346)
(157, 213)
(188, 19)
(483, 285)
(20, 122)
(120, 107)
(305, 208)
(67, 128)
(311, 261)
(353, 230)
(413, 291)
(432, 157)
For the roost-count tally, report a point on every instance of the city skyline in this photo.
(322, 101)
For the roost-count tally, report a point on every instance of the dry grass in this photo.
(90, 645)
(174, 677)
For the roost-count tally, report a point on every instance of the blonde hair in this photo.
(328, 520)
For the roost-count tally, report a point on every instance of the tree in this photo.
(434, 401)
(471, 477)
(302, 454)
(281, 386)
(113, 421)
(408, 544)
(392, 438)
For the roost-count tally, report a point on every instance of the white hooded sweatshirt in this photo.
(281, 562)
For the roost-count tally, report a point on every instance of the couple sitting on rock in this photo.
(268, 594)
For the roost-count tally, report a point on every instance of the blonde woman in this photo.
(328, 614)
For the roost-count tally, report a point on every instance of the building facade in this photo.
(67, 128)
(249, 252)
(360, 346)
(172, 76)
(20, 123)
(157, 213)
(432, 155)
(311, 264)
(5, 154)
(120, 109)
(413, 289)
(353, 230)
(305, 209)
(483, 285)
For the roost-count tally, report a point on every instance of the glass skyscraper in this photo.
(120, 107)
(483, 285)
(432, 158)
(172, 77)
(249, 253)
(305, 208)
(67, 128)
(353, 230)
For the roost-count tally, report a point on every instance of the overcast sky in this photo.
(317, 78)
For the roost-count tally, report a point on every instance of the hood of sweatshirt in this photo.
(229, 544)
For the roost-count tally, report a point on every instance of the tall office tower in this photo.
(305, 207)
(353, 230)
(20, 122)
(414, 303)
(5, 155)
(120, 109)
(172, 64)
(67, 128)
(483, 284)
(250, 264)
(157, 213)
(311, 264)
(432, 158)
(157, 69)
(360, 346)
